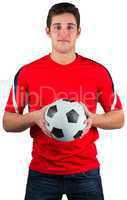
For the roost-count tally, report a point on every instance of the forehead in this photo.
(65, 18)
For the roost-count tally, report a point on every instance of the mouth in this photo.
(63, 41)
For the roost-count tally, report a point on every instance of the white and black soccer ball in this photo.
(65, 119)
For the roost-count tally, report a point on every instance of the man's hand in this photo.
(111, 120)
(88, 121)
(39, 119)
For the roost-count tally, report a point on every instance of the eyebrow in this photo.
(67, 24)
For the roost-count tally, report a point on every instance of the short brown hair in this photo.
(61, 8)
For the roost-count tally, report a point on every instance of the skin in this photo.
(63, 33)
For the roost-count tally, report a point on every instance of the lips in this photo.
(63, 41)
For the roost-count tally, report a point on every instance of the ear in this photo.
(78, 32)
(47, 31)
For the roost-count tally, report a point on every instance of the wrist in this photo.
(30, 118)
(95, 118)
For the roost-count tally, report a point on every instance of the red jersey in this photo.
(44, 81)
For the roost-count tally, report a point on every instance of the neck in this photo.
(63, 58)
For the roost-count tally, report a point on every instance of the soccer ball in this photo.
(65, 119)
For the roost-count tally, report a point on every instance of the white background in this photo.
(22, 40)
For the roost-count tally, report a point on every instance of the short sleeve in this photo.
(18, 96)
(107, 95)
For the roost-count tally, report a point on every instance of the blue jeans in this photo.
(79, 186)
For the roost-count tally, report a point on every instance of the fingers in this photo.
(42, 124)
(45, 131)
(44, 110)
(87, 127)
(87, 112)
(89, 123)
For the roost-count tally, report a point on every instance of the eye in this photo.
(70, 27)
(57, 27)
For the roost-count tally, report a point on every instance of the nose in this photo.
(63, 31)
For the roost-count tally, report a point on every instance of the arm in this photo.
(109, 120)
(113, 116)
(14, 122)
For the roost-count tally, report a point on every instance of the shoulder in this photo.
(27, 68)
(36, 63)
(95, 66)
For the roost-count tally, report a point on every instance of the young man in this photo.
(63, 167)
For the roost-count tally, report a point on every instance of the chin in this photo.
(64, 50)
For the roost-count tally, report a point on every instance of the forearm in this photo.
(13, 122)
(110, 120)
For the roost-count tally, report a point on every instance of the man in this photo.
(59, 168)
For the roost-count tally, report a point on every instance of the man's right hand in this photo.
(39, 119)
